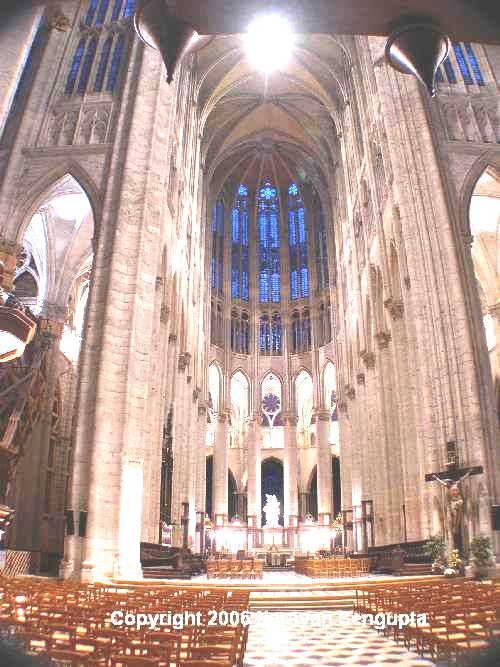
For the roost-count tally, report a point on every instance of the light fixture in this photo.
(16, 331)
(418, 47)
(158, 28)
(269, 42)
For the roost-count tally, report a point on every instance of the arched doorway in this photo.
(272, 484)
(209, 469)
(232, 500)
(312, 495)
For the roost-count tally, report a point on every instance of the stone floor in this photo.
(303, 639)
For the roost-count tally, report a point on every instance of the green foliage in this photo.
(480, 548)
(435, 548)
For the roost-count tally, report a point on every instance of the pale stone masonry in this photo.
(394, 171)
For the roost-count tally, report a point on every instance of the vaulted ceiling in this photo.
(281, 125)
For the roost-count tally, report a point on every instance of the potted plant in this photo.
(435, 549)
(480, 549)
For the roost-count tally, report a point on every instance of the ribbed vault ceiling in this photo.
(282, 126)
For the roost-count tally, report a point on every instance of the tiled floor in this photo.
(303, 639)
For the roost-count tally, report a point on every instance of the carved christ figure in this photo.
(455, 503)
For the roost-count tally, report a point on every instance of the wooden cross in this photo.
(451, 478)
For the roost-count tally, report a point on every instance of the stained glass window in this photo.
(450, 72)
(75, 67)
(87, 66)
(265, 334)
(89, 16)
(101, 14)
(297, 238)
(117, 8)
(103, 65)
(474, 64)
(239, 246)
(320, 240)
(129, 8)
(269, 244)
(276, 334)
(115, 63)
(462, 63)
(217, 245)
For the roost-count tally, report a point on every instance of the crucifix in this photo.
(452, 479)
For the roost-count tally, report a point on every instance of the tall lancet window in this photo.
(297, 238)
(320, 241)
(269, 244)
(239, 245)
(217, 245)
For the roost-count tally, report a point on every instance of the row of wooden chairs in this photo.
(70, 624)
(463, 617)
(235, 569)
(333, 567)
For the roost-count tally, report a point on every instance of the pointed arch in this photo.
(47, 184)
(215, 386)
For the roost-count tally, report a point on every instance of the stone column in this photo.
(290, 473)
(254, 472)
(17, 37)
(220, 471)
(324, 467)
(128, 566)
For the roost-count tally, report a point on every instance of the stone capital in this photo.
(202, 410)
(368, 359)
(350, 392)
(383, 338)
(494, 311)
(322, 414)
(289, 419)
(164, 313)
(360, 378)
(395, 308)
(221, 417)
(184, 360)
(172, 338)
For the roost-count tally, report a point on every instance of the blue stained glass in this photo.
(117, 8)
(439, 76)
(304, 281)
(217, 243)
(269, 244)
(294, 284)
(298, 244)
(239, 252)
(87, 66)
(129, 8)
(462, 63)
(235, 226)
(474, 64)
(103, 65)
(321, 246)
(89, 17)
(75, 67)
(212, 273)
(115, 63)
(244, 228)
(101, 14)
(450, 72)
